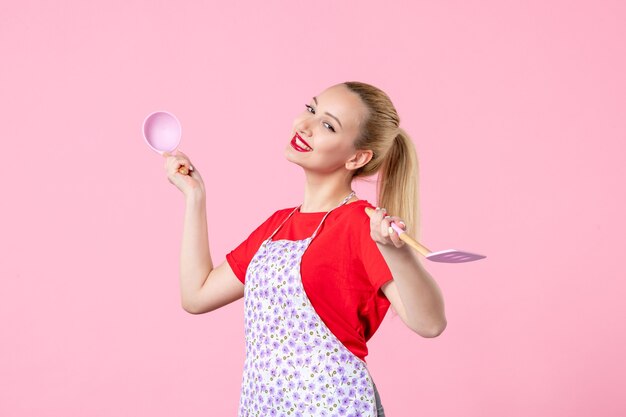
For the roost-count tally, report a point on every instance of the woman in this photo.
(311, 304)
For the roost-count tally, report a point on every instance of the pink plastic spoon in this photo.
(447, 255)
(162, 131)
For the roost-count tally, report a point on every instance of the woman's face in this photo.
(329, 123)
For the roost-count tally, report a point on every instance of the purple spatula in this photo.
(447, 255)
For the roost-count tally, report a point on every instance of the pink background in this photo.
(517, 110)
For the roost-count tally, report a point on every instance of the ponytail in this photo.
(398, 183)
(393, 157)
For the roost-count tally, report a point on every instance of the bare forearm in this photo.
(195, 257)
(420, 294)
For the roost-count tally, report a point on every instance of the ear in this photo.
(360, 158)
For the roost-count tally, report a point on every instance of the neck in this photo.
(324, 193)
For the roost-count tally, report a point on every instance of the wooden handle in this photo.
(423, 250)
(184, 170)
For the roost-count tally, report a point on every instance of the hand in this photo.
(381, 230)
(189, 183)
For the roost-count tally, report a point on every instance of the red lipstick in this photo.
(299, 148)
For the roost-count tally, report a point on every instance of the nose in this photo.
(304, 127)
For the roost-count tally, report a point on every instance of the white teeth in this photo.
(300, 143)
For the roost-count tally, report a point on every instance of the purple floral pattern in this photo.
(295, 366)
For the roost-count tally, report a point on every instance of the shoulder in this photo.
(358, 220)
(357, 211)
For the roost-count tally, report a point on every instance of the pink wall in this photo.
(517, 111)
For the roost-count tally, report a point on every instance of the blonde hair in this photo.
(394, 157)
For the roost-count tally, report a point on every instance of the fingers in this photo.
(393, 235)
(388, 234)
(376, 221)
(196, 176)
(185, 157)
(384, 223)
(173, 163)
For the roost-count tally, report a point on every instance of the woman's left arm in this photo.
(413, 292)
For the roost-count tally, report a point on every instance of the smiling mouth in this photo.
(300, 145)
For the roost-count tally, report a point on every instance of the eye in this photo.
(328, 126)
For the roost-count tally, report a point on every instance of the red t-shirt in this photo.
(342, 269)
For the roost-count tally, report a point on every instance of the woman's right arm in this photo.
(202, 287)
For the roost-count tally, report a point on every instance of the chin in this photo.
(286, 151)
(289, 153)
(289, 156)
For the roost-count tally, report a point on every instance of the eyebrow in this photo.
(315, 99)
